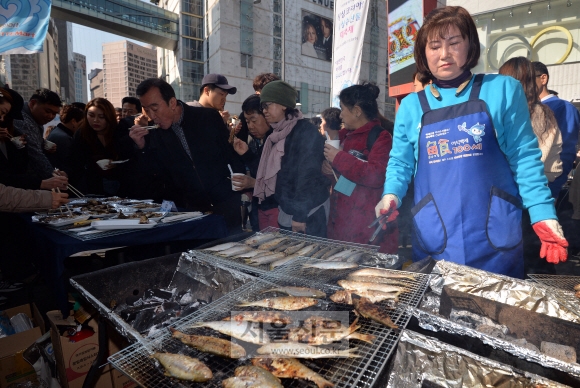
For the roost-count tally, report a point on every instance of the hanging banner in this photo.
(350, 19)
(23, 25)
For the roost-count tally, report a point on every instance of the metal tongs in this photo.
(380, 222)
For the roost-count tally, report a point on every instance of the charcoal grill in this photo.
(383, 260)
(561, 288)
(343, 372)
(204, 278)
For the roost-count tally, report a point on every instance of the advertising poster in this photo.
(23, 26)
(350, 17)
(405, 18)
(316, 36)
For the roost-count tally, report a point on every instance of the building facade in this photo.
(125, 65)
(80, 77)
(66, 60)
(245, 38)
(96, 83)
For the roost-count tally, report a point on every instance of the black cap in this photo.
(220, 81)
(17, 105)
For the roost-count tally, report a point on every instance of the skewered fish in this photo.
(300, 350)
(363, 286)
(217, 346)
(222, 247)
(331, 265)
(244, 331)
(260, 238)
(383, 273)
(319, 330)
(290, 368)
(261, 316)
(345, 296)
(290, 303)
(250, 376)
(368, 310)
(183, 367)
(299, 291)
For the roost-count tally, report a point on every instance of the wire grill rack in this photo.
(383, 260)
(561, 288)
(136, 363)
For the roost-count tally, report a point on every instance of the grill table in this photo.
(561, 288)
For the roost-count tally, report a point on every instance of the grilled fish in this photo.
(363, 286)
(222, 247)
(250, 376)
(331, 252)
(234, 251)
(294, 248)
(261, 316)
(318, 254)
(260, 238)
(283, 261)
(299, 291)
(319, 331)
(307, 250)
(374, 312)
(253, 253)
(217, 346)
(331, 265)
(265, 259)
(341, 256)
(183, 367)
(290, 368)
(374, 279)
(345, 296)
(300, 350)
(383, 273)
(290, 303)
(244, 331)
(272, 244)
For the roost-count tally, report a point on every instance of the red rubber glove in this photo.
(553, 242)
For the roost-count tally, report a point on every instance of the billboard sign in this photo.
(23, 26)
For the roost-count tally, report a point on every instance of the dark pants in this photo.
(315, 224)
(231, 210)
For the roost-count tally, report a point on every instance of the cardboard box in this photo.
(13, 367)
(74, 359)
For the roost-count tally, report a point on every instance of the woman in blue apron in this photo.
(468, 141)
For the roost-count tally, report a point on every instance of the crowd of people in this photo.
(477, 149)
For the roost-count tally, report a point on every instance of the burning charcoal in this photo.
(130, 300)
(144, 320)
(130, 314)
(170, 309)
(193, 307)
(157, 294)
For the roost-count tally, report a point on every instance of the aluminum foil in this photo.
(516, 347)
(503, 289)
(421, 359)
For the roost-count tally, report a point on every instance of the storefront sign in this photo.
(325, 3)
(23, 26)
(350, 18)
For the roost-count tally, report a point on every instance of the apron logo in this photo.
(477, 131)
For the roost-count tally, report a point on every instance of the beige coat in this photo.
(13, 199)
(550, 143)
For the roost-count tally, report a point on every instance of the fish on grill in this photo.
(183, 367)
(222, 247)
(383, 273)
(331, 252)
(244, 331)
(261, 316)
(298, 291)
(331, 265)
(363, 286)
(345, 296)
(369, 310)
(319, 331)
(234, 251)
(272, 244)
(322, 251)
(261, 238)
(342, 255)
(212, 345)
(283, 261)
(250, 376)
(290, 368)
(376, 279)
(266, 258)
(288, 303)
(252, 253)
(295, 248)
(308, 250)
(300, 350)
(286, 245)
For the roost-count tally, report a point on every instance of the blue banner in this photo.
(23, 25)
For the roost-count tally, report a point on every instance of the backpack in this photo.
(373, 136)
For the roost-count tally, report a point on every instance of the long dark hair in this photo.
(364, 96)
(7, 122)
(523, 70)
(89, 134)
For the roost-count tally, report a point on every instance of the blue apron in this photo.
(467, 206)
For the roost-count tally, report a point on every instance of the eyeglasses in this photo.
(266, 105)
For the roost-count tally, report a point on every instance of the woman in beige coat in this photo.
(13, 199)
(543, 121)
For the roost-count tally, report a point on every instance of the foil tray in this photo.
(423, 361)
(365, 371)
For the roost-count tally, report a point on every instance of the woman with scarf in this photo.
(469, 144)
(290, 166)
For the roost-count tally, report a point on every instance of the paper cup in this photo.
(103, 163)
(234, 187)
(334, 143)
(17, 142)
(48, 145)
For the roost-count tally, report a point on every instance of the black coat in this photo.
(63, 138)
(13, 170)
(202, 182)
(300, 184)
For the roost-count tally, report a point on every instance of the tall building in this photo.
(80, 77)
(29, 72)
(96, 83)
(66, 60)
(242, 39)
(125, 65)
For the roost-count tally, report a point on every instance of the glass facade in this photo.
(277, 32)
(192, 43)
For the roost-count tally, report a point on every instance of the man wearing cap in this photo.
(568, 119)
(213, 93)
